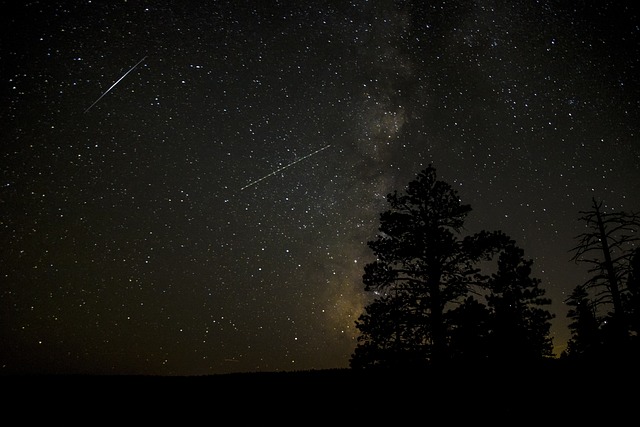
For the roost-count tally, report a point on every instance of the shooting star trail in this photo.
(113, 85)
(284, 167)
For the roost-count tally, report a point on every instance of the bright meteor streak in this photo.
(284, 167)
(113, 85)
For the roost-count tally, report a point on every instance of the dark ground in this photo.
(551, 394)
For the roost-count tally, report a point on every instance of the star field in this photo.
(180, 226)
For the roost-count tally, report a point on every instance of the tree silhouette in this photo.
(607, 247)
(519, 324)
(425, 276)
(469, 325)
(584, 326)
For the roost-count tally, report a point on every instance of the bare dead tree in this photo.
(607, 247)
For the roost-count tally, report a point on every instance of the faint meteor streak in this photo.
(113, 85)
(284, 167)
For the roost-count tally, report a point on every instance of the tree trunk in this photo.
(608, 263)
(611, 273)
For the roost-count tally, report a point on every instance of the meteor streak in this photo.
(284, 167)
(113, 85)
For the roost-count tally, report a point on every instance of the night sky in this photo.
(187, 188)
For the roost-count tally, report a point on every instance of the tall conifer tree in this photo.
(423, 276)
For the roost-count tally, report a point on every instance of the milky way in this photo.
(127, 245)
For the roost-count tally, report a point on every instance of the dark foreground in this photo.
(550, 394)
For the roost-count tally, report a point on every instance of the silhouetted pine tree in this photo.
(424, 275)
(387, 335)
(584, 327)
(469, 326)
(519, 325)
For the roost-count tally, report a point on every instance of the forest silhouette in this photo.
(442, 298)
(458, 322)
(459, 326)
